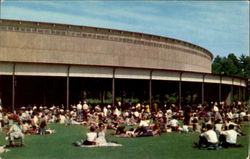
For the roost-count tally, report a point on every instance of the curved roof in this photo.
(111, 31)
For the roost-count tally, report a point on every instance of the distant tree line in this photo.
(232, 65)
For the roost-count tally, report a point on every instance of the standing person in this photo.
(187, 115)
(42, 125)
(105, 111)
(79, 111)
(85, 110)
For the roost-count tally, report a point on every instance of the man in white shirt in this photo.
(174, 124)
(91, 137)
(228, 138)
(79, 111)
(208, 138)
(16, 131)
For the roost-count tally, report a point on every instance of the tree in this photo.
(217, 65)
(232, 66)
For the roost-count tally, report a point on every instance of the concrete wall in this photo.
(62, 44)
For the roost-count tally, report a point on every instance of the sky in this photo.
(222, 27)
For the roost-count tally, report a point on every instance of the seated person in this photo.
(196, 125)
(91, 137)
(174, 124)
(15, 131)
(26, 127)
(237, 127)
(228, 138)
(100, 140)
(208, 138)
(33, 130)
(218, 127)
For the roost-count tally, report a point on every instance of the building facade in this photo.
(45, 63)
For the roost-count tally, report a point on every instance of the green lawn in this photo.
(167, 146)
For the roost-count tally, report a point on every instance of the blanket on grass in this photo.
(102, 145)
(79, 144)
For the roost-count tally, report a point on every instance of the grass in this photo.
(167, 146)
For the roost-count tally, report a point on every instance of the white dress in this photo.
(101, 140)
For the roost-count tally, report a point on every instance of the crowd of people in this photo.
(219, 124)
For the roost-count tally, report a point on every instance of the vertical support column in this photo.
(113, 88)
(44, 87)
(179, 92)
(239, 94)
(220, 90)
(245, 94)
(150, 89)
(232, 94)
(13, 88)
(67, 91)
(1, 89)
(232, 89)
(202, 90)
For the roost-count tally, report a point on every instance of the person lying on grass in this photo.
(141, 131)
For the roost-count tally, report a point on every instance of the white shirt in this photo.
(242, 114)
(91, 136)
(144, 123)
(117, 112)
(85, 106)
(1, 116)
(216, 109)
(105, 111)
(15, 129)
(211, 136)
(218, 127)
(62, 119)
(35, 119)
(136, 113)
(231, 136)
(79, 106)
(174, 123)
(230, 115)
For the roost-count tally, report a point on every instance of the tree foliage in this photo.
(232, 65)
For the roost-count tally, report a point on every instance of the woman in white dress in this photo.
(101, 139)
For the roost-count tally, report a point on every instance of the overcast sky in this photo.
(219, 26)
